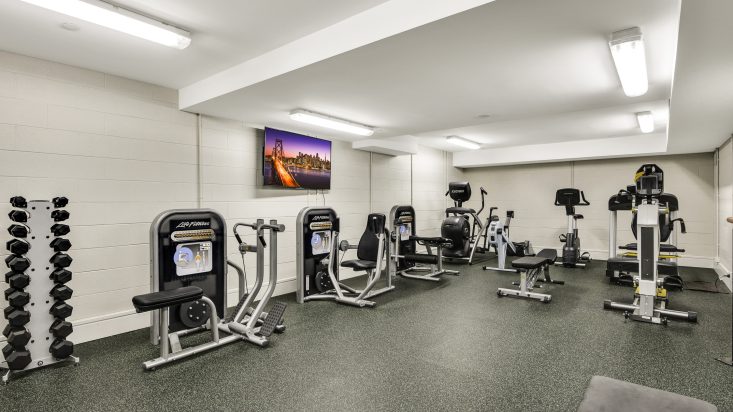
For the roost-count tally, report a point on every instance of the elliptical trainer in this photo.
(572, 256)
(462, 225)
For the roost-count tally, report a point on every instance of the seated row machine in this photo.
(404, 259)
(318, 249)
(189, 274)
(530, 268)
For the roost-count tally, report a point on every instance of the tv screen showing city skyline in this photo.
(296, 161)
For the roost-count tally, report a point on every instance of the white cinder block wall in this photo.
(122, 152)
(529, 190)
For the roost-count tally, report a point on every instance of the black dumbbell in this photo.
(61, 310)
(20, 216)
(16, 359)
(61, 292)
(61, 260)
(60, 276)
(59, 229)
(17, 280)
(60, 244)
(17, 298)
(61, 329)
(18, 230)
(17, 246)
(61, 349)
(17, 337)
(60, 201)
(17, 317)
(19, 202)
(17, 264)
(59, 215)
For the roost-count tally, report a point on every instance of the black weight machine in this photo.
(571, 253)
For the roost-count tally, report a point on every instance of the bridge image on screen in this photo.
(296, 161)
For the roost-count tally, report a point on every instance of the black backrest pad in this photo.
(459, 191)
(368, 248)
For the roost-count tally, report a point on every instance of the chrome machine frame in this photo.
(341, 292)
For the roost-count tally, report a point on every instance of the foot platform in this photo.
(274, 316)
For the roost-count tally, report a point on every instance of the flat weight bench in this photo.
(170, 346)
(529, 269)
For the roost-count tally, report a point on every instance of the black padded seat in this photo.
(460, 210)
(166, 298)
(544, 257)
(422, 258)
(663, 248)
(359, 264)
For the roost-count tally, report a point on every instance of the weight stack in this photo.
(37, 310)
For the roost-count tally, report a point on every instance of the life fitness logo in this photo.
(321, 217)
(405, 213)
(190, 225)
(457, 191)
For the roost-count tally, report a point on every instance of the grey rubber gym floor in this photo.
(452, 345)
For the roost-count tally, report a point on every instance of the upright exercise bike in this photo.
(572, 257)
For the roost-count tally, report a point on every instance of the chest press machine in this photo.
(318, 264)
(188, 276)
(404, 259)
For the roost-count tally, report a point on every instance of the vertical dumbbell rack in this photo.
(37, 328)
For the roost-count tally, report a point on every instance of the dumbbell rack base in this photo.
(39, 237)
(36, 363)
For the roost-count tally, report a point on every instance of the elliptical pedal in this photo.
(236, 309)
(274, 316)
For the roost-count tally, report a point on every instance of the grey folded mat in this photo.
(611, 395)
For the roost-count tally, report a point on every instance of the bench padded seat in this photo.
(166, 298)
(544, 257)
(611, 395)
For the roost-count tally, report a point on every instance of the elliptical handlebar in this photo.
(483, 201)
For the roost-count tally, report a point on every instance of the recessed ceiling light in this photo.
(646, 121)
(463, 142)
(329, 122)
(116, 18)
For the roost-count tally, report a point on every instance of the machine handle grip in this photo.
(446, 192)
(484, 191)
(585, 202)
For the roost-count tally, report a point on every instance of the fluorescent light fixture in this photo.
(331, 122)
(646, 121)
(460, 141)
(627, 49)
(116, 18)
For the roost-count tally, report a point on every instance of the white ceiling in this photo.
(419, 70)
(225, 32)
(506, 59)
(607, 122)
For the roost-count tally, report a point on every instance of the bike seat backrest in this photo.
(368, 248)
(459, 191)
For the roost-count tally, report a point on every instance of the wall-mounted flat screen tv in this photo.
(296, 161)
